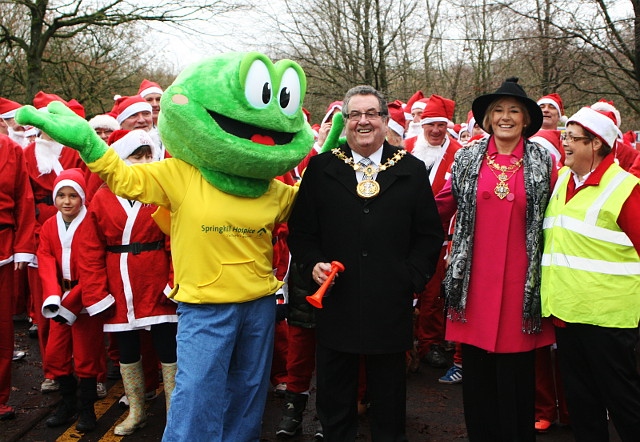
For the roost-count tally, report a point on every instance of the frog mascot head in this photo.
(236, 117)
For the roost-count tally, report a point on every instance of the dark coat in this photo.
(388, 244)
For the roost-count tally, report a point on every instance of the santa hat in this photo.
(42, 100)
(126, 142)
(104, 121)
(411, 101)
(555, 101)
(438, 110)
(149, 87)
(127, 106)
(73, 178)
(75, 106)
(607, 106)
(471, 121)
(599, 123)
(8, 108)
(396, 117)
(332, 107)
(550, 140)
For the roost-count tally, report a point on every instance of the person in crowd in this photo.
(74, 347)
(414, 107)
(625, 153)
(125, 272)
(151, 92)
(395, 132)
(388, 246)
(17, 248)
(552, 109)
(45, 160)
(104, 125)
(591, 277)
(499, 187)
(16, 132)
(550, 402)
(435, 148)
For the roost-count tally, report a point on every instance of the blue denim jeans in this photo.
(224, 358)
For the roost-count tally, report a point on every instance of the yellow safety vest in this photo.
(590, 268)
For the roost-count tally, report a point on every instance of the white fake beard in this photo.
(425, 152)
(413, 130)
(47, 155)
(18, 137)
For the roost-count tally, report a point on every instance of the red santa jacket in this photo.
(17, 213)
(57, 266)
(125, 264)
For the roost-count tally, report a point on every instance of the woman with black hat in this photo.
(500, 188)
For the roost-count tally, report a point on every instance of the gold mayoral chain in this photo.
(369, 187)
(502, 188)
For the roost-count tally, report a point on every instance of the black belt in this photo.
(48, 200)
(6, 226)
(137, 247)
(68, 284)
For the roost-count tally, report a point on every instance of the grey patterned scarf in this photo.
(537, 179)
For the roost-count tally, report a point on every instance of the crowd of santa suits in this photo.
(424, 126)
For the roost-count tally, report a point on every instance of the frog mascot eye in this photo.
(237, 118)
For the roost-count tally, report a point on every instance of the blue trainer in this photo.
(452, 376)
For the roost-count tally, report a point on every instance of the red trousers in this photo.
(301, 358)
(77, 348)
(6, 329)
(430, 323)
(549, 387)
(280, 350)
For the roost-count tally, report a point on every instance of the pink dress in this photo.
(498, 267)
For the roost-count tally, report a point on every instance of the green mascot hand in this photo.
(67, 128)
(334, 139)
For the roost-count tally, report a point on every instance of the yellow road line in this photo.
(101, 406)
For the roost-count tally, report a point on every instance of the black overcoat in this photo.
(388, 244)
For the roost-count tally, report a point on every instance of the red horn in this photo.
(316, 299)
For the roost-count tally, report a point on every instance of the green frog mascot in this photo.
(232, 123)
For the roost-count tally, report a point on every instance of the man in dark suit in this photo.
(378, 218)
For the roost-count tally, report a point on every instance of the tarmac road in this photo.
(434, 412)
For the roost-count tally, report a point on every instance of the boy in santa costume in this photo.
(45, 160)
(71, 349)
(17, 248)
(125, 274)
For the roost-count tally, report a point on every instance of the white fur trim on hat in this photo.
(553, 103)
(418, 105)
(10, 114)
(133, 109)
(598, 124)
(151, 90)
(434, 120)
(104, 122)
(128, 144)
(395, 126)
(70, 183)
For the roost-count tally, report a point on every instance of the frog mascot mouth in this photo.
(238, 118)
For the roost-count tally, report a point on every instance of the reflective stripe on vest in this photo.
(590, 268)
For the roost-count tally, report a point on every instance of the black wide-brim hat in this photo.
(510, 88)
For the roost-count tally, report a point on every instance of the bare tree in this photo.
(341, 43)
(57, 21)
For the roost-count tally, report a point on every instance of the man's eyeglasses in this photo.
(369, 115)
(572, 139)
